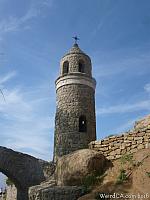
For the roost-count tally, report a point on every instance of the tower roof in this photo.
(75, 50)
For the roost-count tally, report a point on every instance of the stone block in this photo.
(118, 156)
(122, 147)
(123, 151)
(55, 192)
(141, 146)
(128, 149)
(105, 142)
(134, 142)
(128, 144)
(118, 151)
(139, 142)
(130, 138)
(141, 134)
(110, 157)
(114, 148)
(147, 145)
(127, 141)
(138, 138)
(133, 146)
(133, 150)
(112, 153)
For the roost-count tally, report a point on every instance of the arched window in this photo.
(82, 124)
(65, 67)
(81, 66)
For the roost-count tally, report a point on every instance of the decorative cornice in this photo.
(75, 79)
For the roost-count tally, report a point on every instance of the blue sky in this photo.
(35, 34)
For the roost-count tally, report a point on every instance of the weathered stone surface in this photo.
(72, 168)
(55, 193)
(11, 193)
(75, 92)
(129, 142)
(24, 170)
(141, 146)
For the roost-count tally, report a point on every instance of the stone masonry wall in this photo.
(55, 193)
(71, 104)
(130, 142)
(75, 91)
(73, 63)
(73, 58)
(11, 193)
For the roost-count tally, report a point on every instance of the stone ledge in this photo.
(56, 192)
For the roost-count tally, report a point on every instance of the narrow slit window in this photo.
(82, 124)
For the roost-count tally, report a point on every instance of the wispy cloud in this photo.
(147, 88)
(24, 125)
(47, 3)
(106, 16)
(125, 108)
(128, 125)
(123, 64)
(7, 77)
(12, 23)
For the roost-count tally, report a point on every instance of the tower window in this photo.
(81, 66)
(82, 124)
(65, 67)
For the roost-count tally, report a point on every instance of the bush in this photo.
(148, 174)
(91, 180)
(127, 158)
(9, 182)
(122, 177)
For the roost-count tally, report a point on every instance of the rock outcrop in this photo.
(136, 185)
(73, 168)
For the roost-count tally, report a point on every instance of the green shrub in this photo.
(9, 182)
(126, 158)
(148, 174)
(91, 179)
(122, 177)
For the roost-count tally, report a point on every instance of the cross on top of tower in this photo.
(76, 39)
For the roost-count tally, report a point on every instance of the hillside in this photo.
(129, 175)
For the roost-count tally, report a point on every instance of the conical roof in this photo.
(75, 50)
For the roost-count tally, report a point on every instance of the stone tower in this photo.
(75, 121)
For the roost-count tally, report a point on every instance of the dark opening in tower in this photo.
(82, 123)
(65, 67)
(81, 66)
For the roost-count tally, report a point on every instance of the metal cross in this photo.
(76, 39)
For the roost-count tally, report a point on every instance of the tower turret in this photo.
(75, 122)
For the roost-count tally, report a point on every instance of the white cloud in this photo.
(7, 77)
(147, 88)
(24, 125)
(125, 127)
(130, 64)
(12, 23)
(125, 108)
(47, 3)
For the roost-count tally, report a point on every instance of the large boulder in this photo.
(71, 169)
